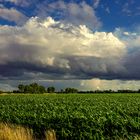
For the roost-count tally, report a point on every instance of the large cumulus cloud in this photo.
(48, 49)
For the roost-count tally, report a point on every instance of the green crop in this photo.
(75, 117)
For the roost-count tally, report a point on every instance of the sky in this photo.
(85, 44)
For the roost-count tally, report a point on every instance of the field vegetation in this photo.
(75, 116)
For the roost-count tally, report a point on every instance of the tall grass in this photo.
(14, 132)
(50, 135)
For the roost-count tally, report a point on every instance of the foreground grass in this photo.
(12, 132)
(16, 132)
(96, 116)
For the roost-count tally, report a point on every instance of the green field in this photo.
(75, 116)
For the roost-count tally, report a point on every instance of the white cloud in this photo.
(130, 39)
(12, 15)
(126, 33)
(74, 13)
(6, 87)
(129, 10)
(22, 3)
(96, 3)
(126, 10)
(107, 10)
(67, 50)
(98, 84)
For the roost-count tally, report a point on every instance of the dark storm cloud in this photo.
(132, 64)
(80, 68)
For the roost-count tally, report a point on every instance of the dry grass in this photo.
(50, 135)
(14, 132)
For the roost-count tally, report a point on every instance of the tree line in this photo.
(35, 88)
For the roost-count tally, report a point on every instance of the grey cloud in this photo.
(132, 64)
(131, 60)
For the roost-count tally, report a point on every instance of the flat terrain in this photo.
(75, 116)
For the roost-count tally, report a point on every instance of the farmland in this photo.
(75, 116)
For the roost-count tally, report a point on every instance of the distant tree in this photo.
(28, 89)
(21, 88)
(51, 89)
(33, 88)
(67, 90)
(15, 91)
(71, 90)
(1, 92)
(42, 89)
(61, 91)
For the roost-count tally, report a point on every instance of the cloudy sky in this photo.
(86, 44)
